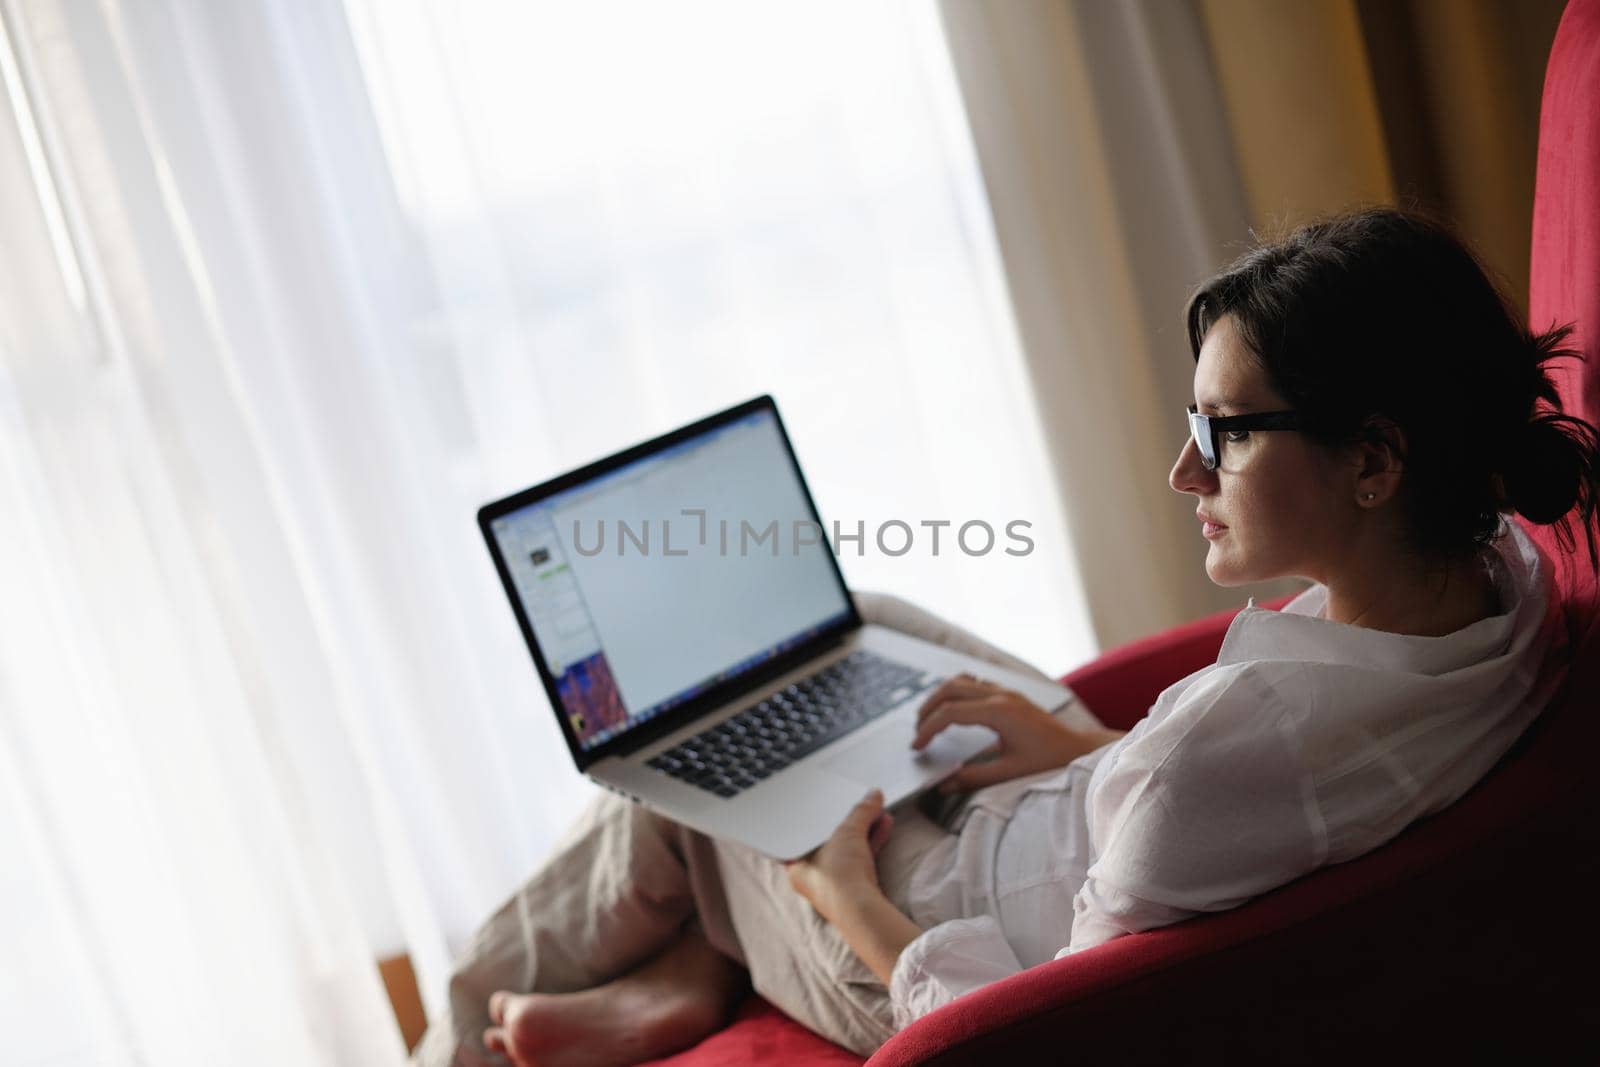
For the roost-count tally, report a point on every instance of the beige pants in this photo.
(624, 883)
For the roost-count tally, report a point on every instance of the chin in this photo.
(1225, 579)
(1227, 572)
(1229, 569)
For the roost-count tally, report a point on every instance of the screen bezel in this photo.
(670, 720)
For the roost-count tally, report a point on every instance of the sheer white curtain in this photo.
(287, 291)
(642, 212)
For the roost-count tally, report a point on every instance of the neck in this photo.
(1411, 597)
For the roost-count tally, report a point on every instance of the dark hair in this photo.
(1384, 317)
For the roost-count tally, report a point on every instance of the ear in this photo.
(1380, 460)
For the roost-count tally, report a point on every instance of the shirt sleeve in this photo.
(947, 961)
(1211, 807)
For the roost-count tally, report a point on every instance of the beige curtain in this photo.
(1129, 149)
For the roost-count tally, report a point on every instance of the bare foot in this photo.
(667, 1004)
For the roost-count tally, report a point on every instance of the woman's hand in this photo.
(844, 867)
(840, 879)
(1031, 739)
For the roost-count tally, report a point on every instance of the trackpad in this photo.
(885, 760)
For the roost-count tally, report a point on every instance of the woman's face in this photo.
(1278, 504)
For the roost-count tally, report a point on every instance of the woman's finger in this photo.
(979, 712)
(878, 835)
(867, 809)
(961, 687)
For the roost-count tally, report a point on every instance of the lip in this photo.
(1211, 528)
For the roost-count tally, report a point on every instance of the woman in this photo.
(1367, 408)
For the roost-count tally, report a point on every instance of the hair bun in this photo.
(1543, 475)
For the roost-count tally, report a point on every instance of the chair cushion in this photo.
(761, 1034)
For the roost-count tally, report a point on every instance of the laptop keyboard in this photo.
(796, 721)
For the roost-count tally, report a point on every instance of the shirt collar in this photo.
(1299, 632)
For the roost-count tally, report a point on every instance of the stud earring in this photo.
(1369, 496)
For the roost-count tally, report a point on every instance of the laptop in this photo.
(700, 649)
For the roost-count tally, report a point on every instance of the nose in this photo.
(1189, 474)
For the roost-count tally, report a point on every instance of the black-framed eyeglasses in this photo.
(1204, 428)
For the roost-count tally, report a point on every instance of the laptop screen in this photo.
(658, 580)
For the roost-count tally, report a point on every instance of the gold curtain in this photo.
(1433, 103)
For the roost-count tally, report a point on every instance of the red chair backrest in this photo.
(1564, 284)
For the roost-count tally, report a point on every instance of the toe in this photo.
(494, 1039)
(497, 1007)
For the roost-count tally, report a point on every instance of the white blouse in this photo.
(1308, 742)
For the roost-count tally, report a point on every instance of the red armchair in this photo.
(1466, 937)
